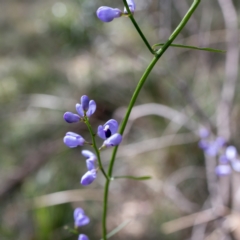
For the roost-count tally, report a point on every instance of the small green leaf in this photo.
(190, 47)
(133, 178)
(117, 229)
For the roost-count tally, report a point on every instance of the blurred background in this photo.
(53, 52)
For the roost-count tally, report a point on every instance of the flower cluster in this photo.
(107, 132)
(228, 159)
(86, 108)
(107, 14)
(80, 219)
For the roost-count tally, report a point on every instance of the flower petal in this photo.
(85, 102)
(77, 212)
(79, 109)
(101, 132)
(114, 140)
(71, 117)
(107, 14)
(90, 164)
(73, 134)
(88, 154)
(80, 219)
(92, 108)
(88, 177)
(113, 125)
(83, 237)
(73, 140)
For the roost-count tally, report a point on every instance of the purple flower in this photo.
(87, 106)
(223, 170)
(83, 237)
(89, 177)
(114, 140)
(80, 219)
(131, 5)
(73, 140)
(107, 14)
(231, 153)
(91, 159)
(70, 117)
(108, 129)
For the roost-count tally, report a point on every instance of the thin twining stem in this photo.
(141, 82)
(130, 15)
(147, 72)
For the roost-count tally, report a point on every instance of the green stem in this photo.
(138, 28)
(105, 208)
(96, 149)
(141, 82)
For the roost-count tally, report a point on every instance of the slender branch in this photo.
(138, 28)
(105, 208)
(141, 82)
(147, 72)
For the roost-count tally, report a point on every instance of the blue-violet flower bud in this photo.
(107, 14)
(80, 219)
(88, 177)
(108, 129)
(73, 140)
(91, 159)
(131, 5)
(71, 117)
(83, 237)
(114, 140)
